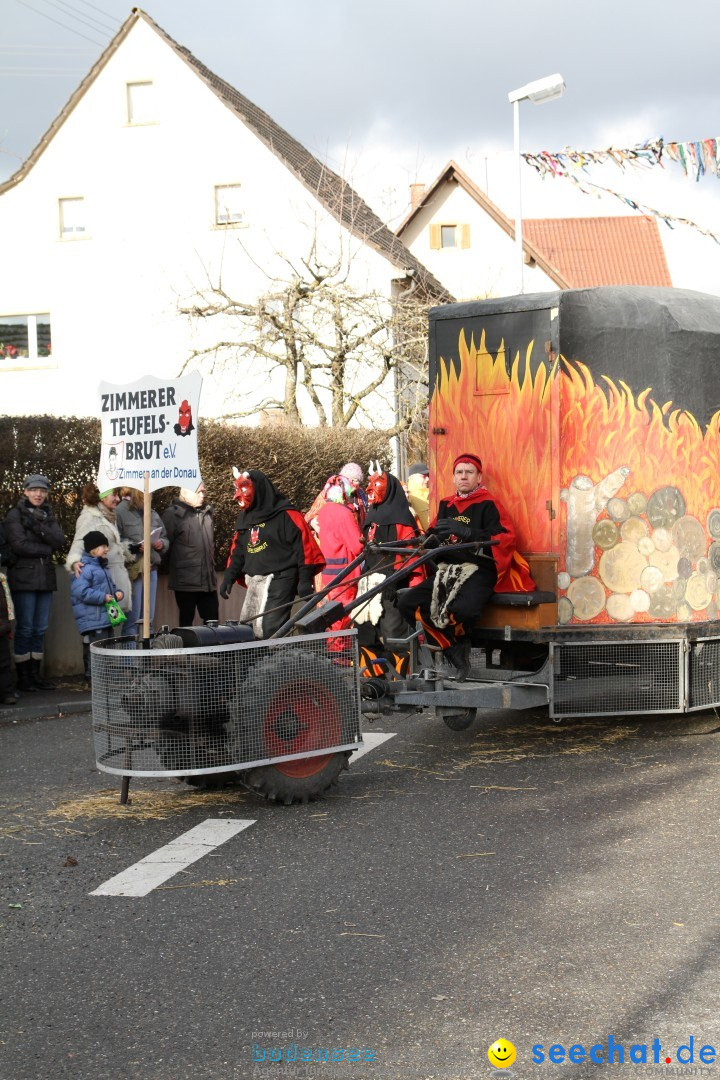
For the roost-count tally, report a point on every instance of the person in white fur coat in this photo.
(98, 514)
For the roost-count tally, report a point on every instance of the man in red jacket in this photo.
(465, 581)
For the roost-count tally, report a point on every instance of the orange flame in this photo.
(506, 420)
(603, 429)
(537, 431)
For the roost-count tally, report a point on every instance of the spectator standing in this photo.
(419, 493)
(8, 695)
(190, 529)
(90, 592)
(34, 535)
(130, 520)
(98, 514)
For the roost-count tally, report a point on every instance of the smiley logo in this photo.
(501, 1054)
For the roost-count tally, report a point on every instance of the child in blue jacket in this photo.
(90, 592)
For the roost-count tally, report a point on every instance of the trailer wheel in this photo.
(297, 705)
(460, 720)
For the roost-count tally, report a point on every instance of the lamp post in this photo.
(540, 91)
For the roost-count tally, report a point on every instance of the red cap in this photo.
(468, 459)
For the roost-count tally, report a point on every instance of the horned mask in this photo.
(244, 489)
(377, 484)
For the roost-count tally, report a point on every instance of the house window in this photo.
(141, 103)
(72, 218)
(24, 340)
(449, 236)
(228, 208)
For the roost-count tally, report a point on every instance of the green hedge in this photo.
(67, 450)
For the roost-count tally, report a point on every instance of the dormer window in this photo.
(449, 236)
(141, 103)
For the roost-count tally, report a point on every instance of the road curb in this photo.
(52, 711)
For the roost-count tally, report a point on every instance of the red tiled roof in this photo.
(453, 173)
(601, 250)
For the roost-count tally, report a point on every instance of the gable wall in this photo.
(488, 267)
(149, 193)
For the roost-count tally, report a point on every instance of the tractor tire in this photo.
(298, 710)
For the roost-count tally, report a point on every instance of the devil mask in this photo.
(244, 491)
(377, 485)
(376, 489)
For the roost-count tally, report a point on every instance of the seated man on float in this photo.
(466, 580)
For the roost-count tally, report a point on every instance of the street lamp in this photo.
(540, 91)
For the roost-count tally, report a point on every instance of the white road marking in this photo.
(144, 876)
(371, 740)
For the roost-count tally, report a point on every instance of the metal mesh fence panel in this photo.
(704, 673)
(608, 678)
(170, 712)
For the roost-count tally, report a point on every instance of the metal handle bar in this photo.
(339, 611)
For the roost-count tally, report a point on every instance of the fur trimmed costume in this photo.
(274, 549)
(465, 581)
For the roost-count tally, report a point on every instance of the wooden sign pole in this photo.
(147, 514)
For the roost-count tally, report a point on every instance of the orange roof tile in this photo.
(601, 250)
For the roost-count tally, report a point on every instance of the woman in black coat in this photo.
(190, 530)
(33, 534)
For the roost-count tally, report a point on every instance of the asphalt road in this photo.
(546, 884)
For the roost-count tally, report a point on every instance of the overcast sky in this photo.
(388, 90)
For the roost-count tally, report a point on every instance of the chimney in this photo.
(416, 195)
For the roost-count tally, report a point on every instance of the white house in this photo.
(468, 243)
(157, 180)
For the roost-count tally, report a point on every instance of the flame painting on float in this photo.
(596, 413)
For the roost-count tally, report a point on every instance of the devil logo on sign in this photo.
(184, 425)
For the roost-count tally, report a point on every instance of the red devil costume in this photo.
(389, 518)
(273, 552)
(465, 581)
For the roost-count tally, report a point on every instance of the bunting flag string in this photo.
(670, 220)
(696, 158)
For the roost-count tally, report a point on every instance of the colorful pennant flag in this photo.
(670, 220)
(695, 158)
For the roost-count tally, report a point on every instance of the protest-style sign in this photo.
(149, 441)
(150, 426)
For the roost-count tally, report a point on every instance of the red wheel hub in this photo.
(301, 717)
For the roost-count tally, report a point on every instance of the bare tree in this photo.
(340, 350)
